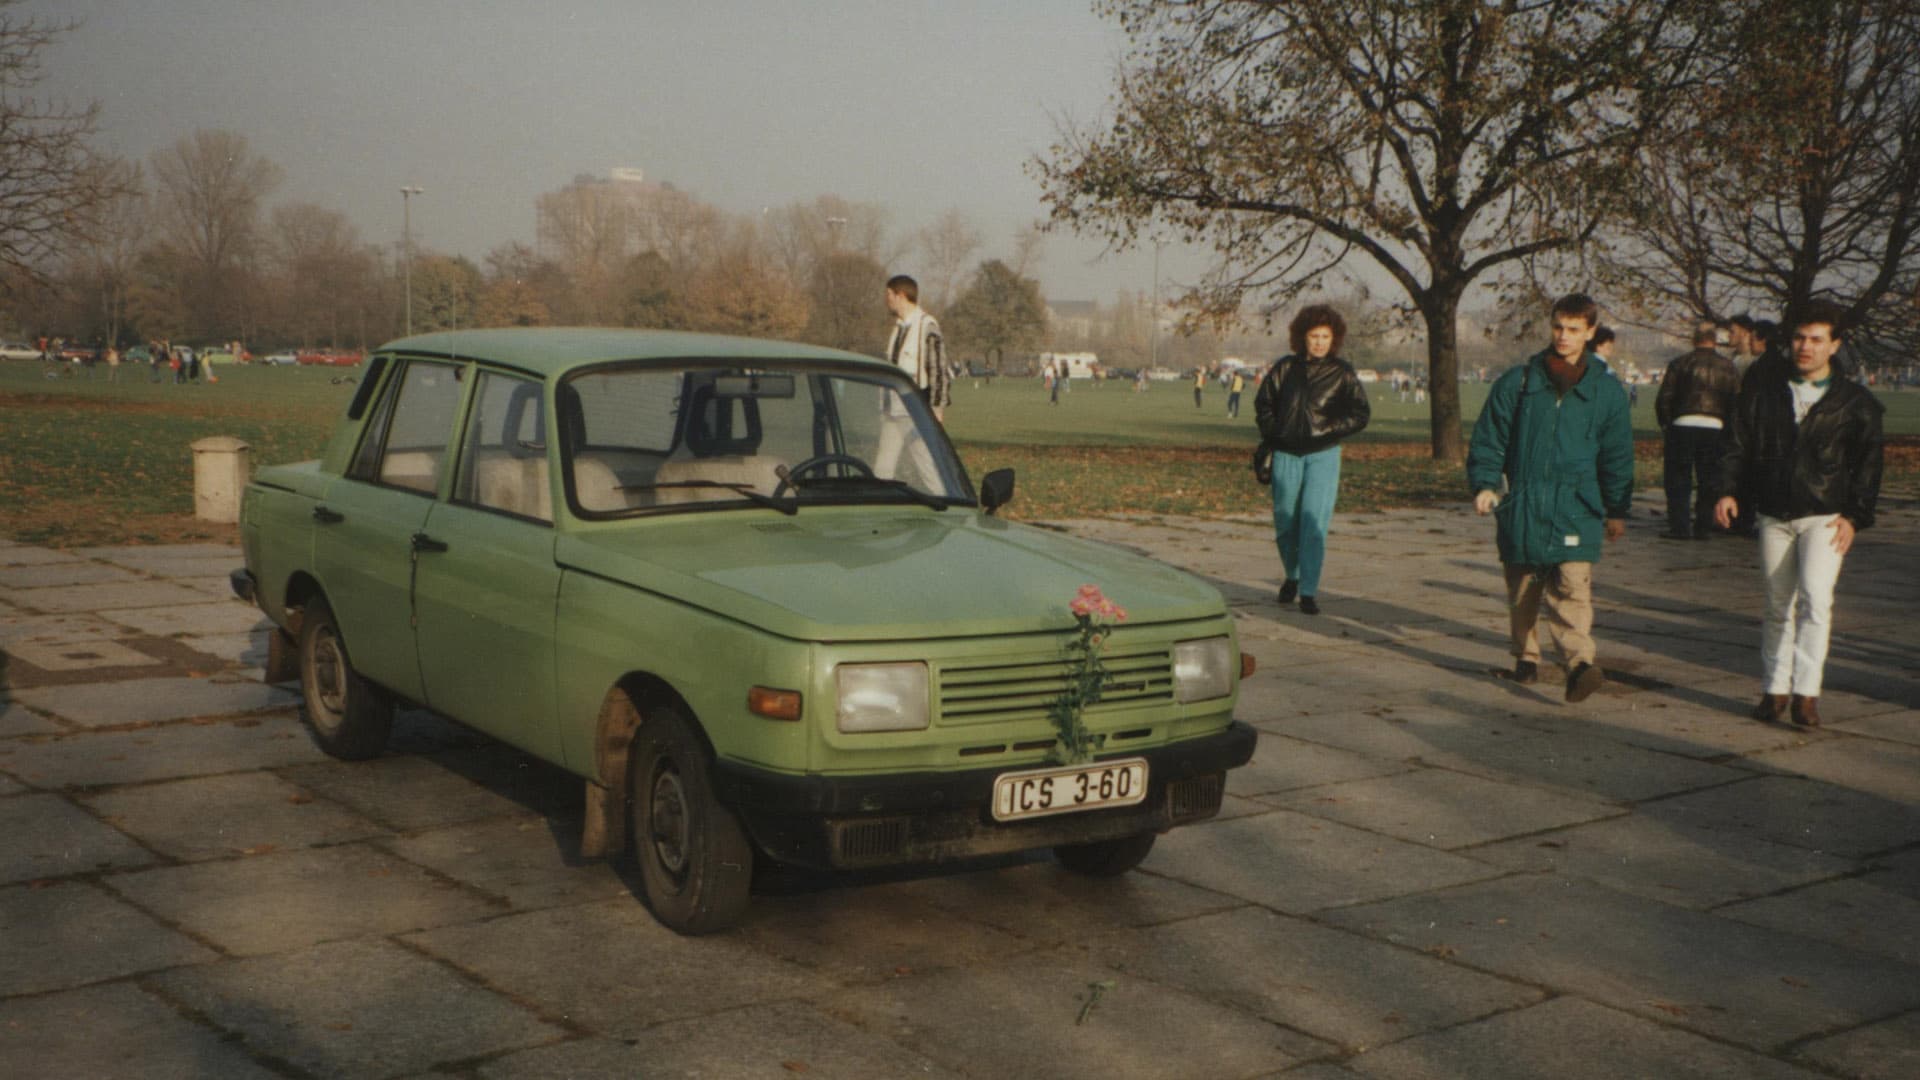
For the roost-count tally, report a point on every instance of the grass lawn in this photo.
(90, 462)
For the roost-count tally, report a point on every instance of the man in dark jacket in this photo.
(1806, 442)
(1696, 397)
(1558, 431)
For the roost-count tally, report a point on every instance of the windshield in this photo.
(653, 439)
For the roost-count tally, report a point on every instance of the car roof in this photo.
(554, 350)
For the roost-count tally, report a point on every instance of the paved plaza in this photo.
(1427, 871)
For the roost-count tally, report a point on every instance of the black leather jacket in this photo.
(1701, 383)
(1828, 464)
(1307, 405)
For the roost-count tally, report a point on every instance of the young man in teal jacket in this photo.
(1558, 431)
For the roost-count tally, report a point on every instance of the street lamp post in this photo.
(406, 245)
(1153, 316)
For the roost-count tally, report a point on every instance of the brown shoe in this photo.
(1806, 712)
(1771, 710)
(1583, 680)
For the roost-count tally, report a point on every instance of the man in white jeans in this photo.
(1805, 445)
(917, 348)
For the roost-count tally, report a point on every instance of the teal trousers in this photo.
(1304, 489)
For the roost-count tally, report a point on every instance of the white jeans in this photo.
(897, 435)
(1801, 568)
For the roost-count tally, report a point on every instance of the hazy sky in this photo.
(486, 104)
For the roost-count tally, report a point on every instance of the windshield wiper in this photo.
(748, 490)
(914, 493)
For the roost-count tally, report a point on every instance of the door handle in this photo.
(325, 516)
(423, 542)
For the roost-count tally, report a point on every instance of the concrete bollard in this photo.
(220, 474)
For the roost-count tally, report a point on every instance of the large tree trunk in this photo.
(1441, 307)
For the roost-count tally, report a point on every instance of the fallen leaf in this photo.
(299, 799)
(258, 849)
(1669, 1007)
(794, 1066)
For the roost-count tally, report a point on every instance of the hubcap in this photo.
(669, 819)
(329, 674)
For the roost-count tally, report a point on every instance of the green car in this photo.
(746, 591)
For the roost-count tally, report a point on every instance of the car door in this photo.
(486, 580)
(367, 525)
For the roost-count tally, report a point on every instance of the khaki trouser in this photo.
(1567, 590)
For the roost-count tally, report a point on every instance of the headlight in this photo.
(1202, 670)
(881, 697)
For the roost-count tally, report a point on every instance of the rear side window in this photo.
(406, 442)
(504, 466)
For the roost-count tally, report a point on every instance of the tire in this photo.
(349, 717)
(696, 863)
(1105, 858)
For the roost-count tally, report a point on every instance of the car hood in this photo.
(860, 575)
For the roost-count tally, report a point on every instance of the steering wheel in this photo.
(814, 464)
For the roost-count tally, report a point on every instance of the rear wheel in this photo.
(696, 863)
(350, 718)
(1105, 858)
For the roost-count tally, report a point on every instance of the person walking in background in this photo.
(1199, 384)
(1695, 400)
(1235, 384)
(1807, 443)
(1307, 403)
(1556, 431)
(113, 363)
(917, 348)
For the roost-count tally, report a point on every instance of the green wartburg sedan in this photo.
(746, 591)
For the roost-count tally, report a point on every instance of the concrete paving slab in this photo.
(72, 933)
(1041, 902)
(289, 900)
(1889, 770)
(784, 1039)
(43, 575)
(1692, 868)
(79, 655)
(24, 555)
(1716, 976)
(356, 1009)
(1036, 1016)
(1335, 985)
(199, 618)
(153, 700)
(1689, 730)
(57, 628)
(1889, 1050)
(249, 649)
(1282, 764)
(431, 791)
(1445, 809)
(115, 1030)
(127, 594)
(1593, 767)
(214, 817)
(159, 753)
(582, 963)
(1408, 733)
(1295, 863)
(17, 719)
(1568, 1039)
(870, 933)
(1861, 913)
(169, 560)
(531, 862)
(1805, 813)
(45, 836)
(10, 786)
(1893, 725)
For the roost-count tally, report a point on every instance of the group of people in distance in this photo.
(1793, 441)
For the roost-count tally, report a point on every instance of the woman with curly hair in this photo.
(1308, 401)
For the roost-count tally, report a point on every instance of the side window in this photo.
(406, 441)
(504, 466)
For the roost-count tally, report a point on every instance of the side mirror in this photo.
(996, 489)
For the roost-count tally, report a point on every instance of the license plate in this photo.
(1040, 792)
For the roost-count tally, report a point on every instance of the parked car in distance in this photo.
(279, 359)
(18, 350)
(331, 358)
(748, 594)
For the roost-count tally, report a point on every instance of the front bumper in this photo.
(846, 822)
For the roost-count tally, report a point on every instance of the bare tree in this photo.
(210, 186)
(326, 272)
(1443, 140)
(51, 181)
(946, 247)
(116, 233)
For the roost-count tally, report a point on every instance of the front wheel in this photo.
(350, 717)
(1105, 858)
(696, 863)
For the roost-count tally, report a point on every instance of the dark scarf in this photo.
(1564, 375)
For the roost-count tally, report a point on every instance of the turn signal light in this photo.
(774, 704)
(1246, 664)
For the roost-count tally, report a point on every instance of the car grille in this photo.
(1022, 688)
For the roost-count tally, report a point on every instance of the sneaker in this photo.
(1805, 712)
(1288, 590)
(1582, 681)
(1308, 606)
(1526, 672)
(1772, 709)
